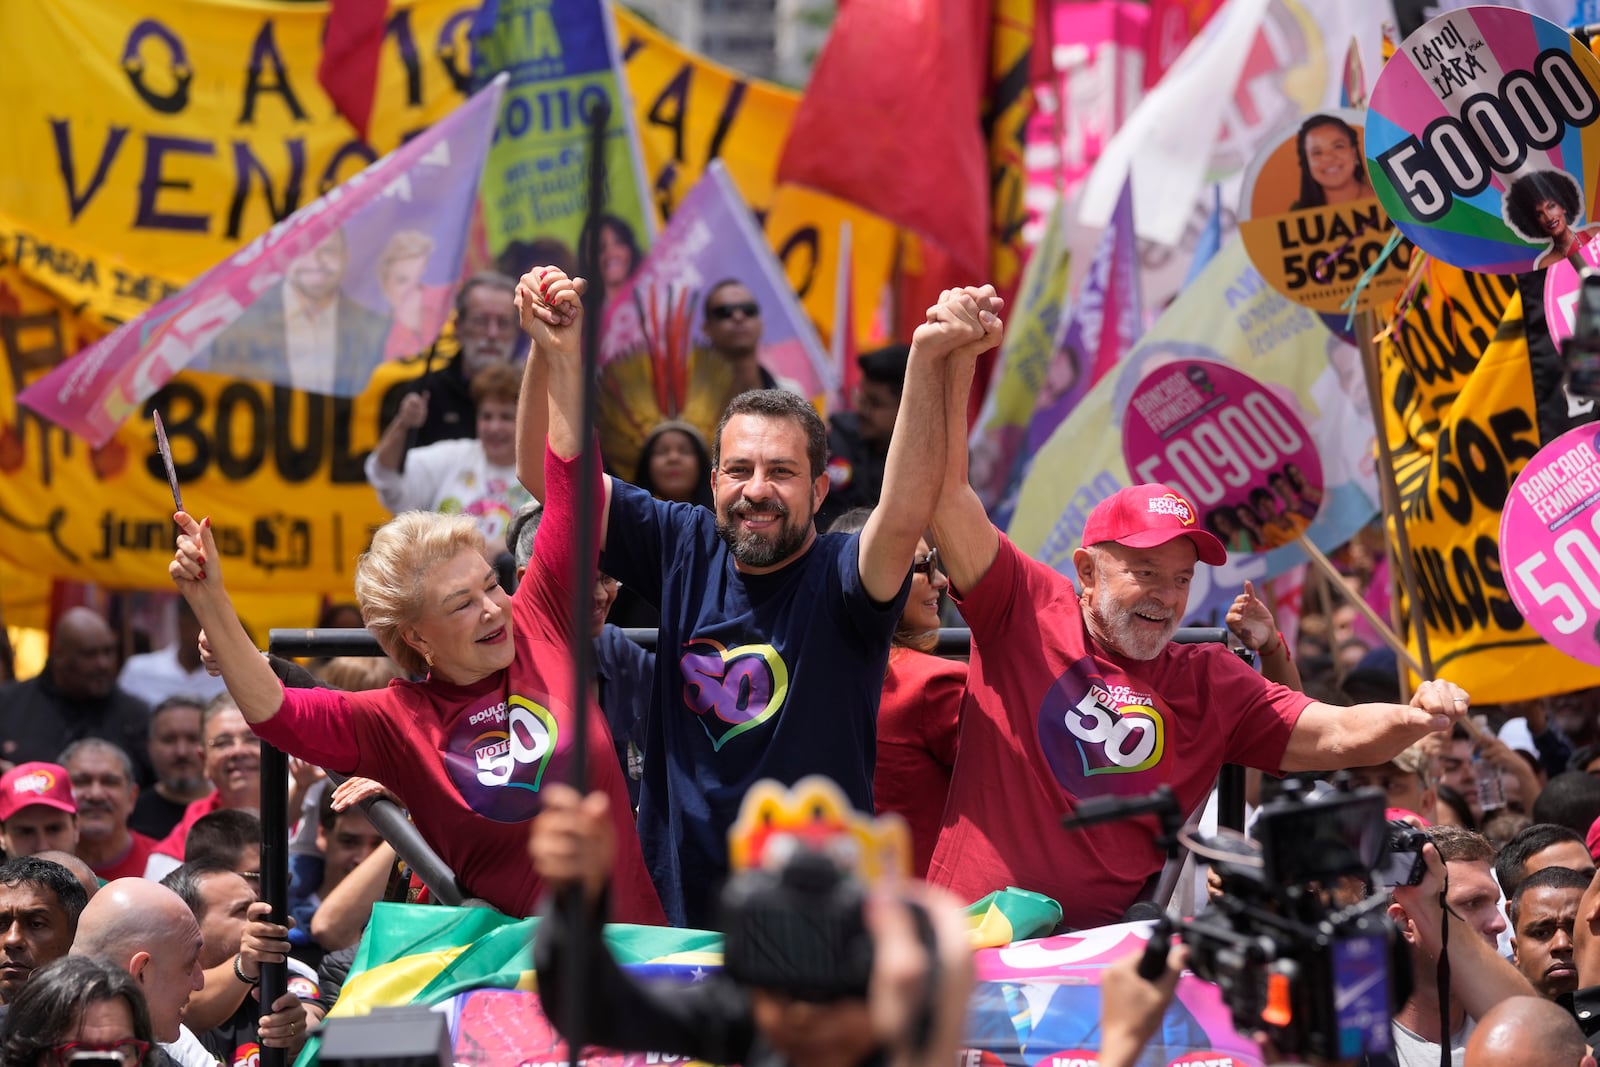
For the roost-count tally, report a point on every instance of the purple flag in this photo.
(1105, 323)
(363, 274)
(712, 237)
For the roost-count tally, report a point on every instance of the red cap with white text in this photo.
(28, 784)
(1144, 516)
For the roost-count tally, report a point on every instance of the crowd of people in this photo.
(794, 639)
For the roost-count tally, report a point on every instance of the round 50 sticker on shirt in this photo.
(1229, 444)
(1482, 133)
(1312, 223)
(1550, 543)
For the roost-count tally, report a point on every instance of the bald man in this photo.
(1527, 1032)
(79, 869)
(148, 931)
(75, 696)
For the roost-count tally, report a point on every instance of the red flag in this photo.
(890, 119)
(348, 72)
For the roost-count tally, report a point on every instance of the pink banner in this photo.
(311, 303)
(1097, 63)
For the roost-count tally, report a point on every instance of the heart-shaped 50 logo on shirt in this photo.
(732, 690)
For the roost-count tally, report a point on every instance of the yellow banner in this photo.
(690, 111)
(189, 127)
(1006, 115)
(1461, 423)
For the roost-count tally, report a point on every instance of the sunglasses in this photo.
(927, 564)
(725, 312)
(129, 1052)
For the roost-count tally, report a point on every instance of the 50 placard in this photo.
(1230, 445)
(1484, 115)
(1550, 543)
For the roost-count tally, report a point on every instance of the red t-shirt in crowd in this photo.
(469, 761)
(917, 723)
(132, 862)
(1051, 717)
(172, 844)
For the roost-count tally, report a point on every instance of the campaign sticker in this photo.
(1561, 284)
(1231, 445)
(1481, 134)
(1311, 221)
(1550, 543)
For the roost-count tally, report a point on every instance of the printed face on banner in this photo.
(1550, 543)
(1312, 223)
(1481, 135)
(1229, 444)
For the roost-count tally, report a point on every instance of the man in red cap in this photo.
(37, 812)
(1076, 691)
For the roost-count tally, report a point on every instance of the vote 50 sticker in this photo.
(1550, 543)
(1482, 133)
(1230, 445)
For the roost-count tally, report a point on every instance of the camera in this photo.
(1402, 860)
(798, 929)
(1292, 943)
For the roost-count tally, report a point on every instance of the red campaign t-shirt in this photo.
(468, 761)
(1051, 717)
(133, 861)
(172, 844)
(917, 723)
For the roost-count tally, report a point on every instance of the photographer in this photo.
(1459, 893)
(717, 1020)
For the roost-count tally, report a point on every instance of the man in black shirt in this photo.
(717, 1020)
(75, 696)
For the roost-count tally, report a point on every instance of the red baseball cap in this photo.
(1144, 516)
(28, 784)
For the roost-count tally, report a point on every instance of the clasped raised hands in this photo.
(964, 322)
(550, 307)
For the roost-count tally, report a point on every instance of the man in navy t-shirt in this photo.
(774, 639)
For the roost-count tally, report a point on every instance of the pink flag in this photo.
(310, 304)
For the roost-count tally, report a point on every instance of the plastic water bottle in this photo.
(1491, 790)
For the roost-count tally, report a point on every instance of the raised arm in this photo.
(1328, 737)
(391, 450)
(551, 308)
(964, 322)
(196, 569)
(1252, 622)
(967, 540)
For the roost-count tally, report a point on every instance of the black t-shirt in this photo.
(154, 815)
(235, 1042)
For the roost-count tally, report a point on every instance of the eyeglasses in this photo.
(749, 310)
(927, 564)
(222, 742)
(130, 1050)
(482, 323)
(605, 581)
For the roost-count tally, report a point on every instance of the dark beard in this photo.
(754, 550)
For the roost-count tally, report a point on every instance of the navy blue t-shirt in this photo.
(758, 676)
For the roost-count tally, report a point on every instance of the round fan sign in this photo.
(1561, 283)
(1312, 223)
(1240, 453)
(1481, 137)
(1550, 543)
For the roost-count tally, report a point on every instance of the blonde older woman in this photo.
(469, 748)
